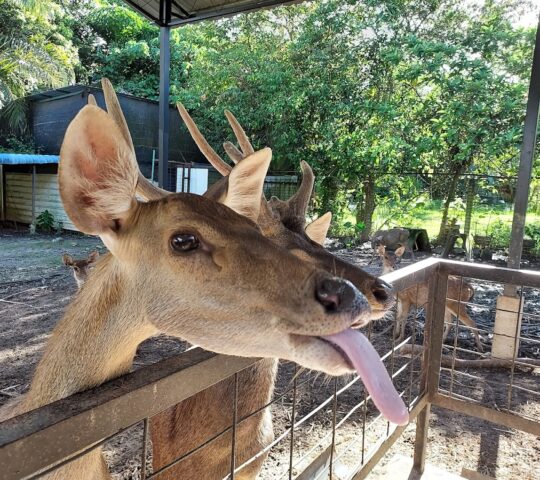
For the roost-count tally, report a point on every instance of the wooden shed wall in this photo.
(19, 198)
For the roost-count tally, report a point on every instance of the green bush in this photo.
(533, 232)
(500, 233)
(45, 221)
(15, 144)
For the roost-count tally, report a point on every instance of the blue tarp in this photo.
(26, 159)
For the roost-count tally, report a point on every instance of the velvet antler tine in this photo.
(240, 134)
(300, 200)
(234, 154)
(210, 154)
(92, 100)
(115, 111)
(148, 191)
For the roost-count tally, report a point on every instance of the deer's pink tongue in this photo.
(373, 373)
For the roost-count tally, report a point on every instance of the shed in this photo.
(29, 186)
(52, 111)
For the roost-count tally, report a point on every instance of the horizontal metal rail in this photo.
(43, 437)
(472, 409)
(490, 273)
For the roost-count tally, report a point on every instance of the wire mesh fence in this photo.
(199, 410)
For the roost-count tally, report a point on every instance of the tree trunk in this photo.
(364, 214)
(449, 200)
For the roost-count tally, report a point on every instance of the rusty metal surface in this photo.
(438, 287)
(45, 436)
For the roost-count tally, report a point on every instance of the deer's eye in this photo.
(76, 269)
(184, 242)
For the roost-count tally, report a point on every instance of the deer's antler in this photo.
(145, 188)
(219, 164)
(297, 205)
(234, 154)
(240, 134)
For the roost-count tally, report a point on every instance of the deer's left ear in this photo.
(318, 229)
(400, 251)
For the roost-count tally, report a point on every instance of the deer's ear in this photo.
(318, 229)
(246, 182)
(67, 259)
(97, 174)
(400, 251)
(380, 249)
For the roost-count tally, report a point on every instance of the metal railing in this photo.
(323, 425)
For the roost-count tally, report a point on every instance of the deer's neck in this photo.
(95, 341)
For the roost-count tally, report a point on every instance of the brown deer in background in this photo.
(284, 223)
(247, 296)
(458, 294)
(392, 238)
(81, 267)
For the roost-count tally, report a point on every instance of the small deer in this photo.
(82, 267)
(459, 293)
(247, 296)
(392, 238)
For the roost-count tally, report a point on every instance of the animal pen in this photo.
(336, 435)
(352, 436)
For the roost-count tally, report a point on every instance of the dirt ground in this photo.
(35, 288)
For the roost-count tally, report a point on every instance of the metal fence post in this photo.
(163, 139)
(433, 334)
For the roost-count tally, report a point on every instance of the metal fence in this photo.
(324, 428)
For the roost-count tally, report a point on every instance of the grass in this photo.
(486, 219)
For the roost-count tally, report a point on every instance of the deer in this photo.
(285, 224)
(458, 294)
(81, 267)
(247, 296)
(393, 238)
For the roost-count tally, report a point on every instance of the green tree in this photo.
(34, 54)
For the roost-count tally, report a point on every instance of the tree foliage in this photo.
(363, 91)
(34, 53)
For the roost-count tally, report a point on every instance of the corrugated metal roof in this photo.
(59, 92)
(26, 159)
(76, 89)
(178, 12)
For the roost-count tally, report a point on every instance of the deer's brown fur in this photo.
(458, 294)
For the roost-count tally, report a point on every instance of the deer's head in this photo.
(284, 222)
(80, 267)
(390, 260)
(199, 269)
(206, 274)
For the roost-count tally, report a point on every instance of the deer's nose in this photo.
(383, 292)
(335, 295)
